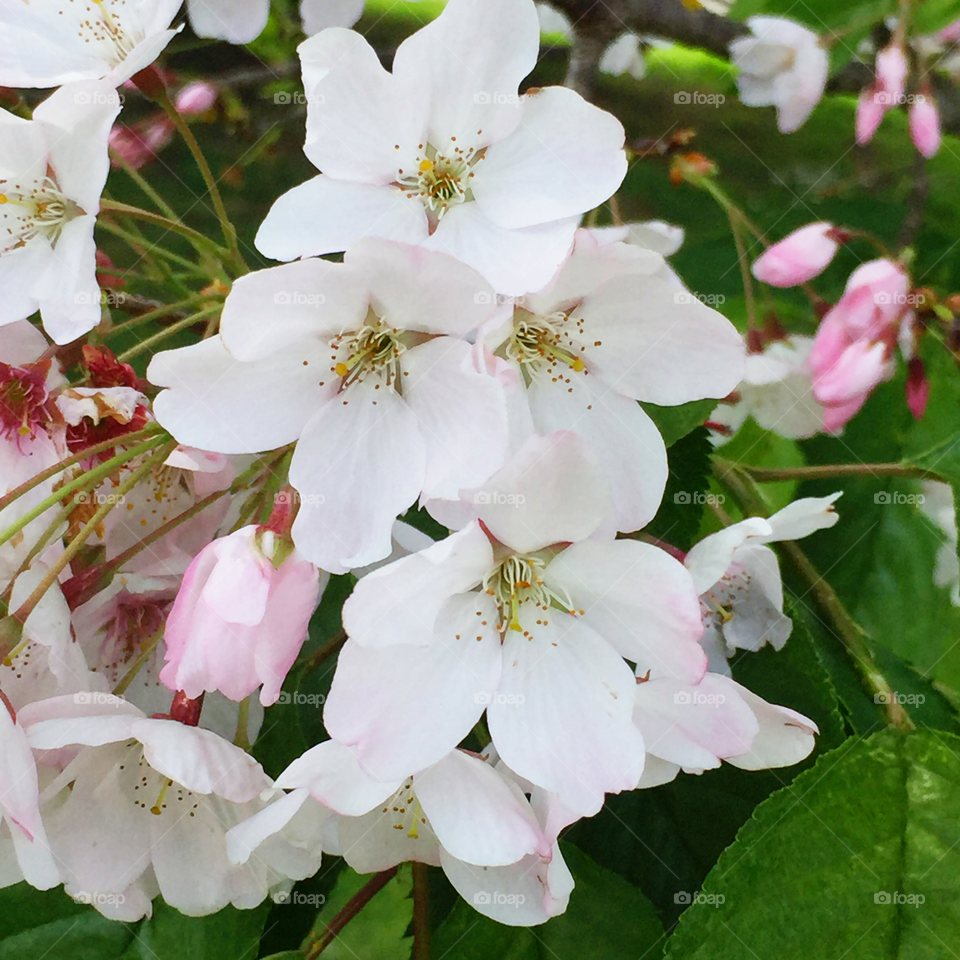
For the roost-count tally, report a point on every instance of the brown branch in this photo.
(350, 909)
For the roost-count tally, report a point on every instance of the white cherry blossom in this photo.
(738, 579)
(361, 365)
(519, 613)
(443, 152)
(45, 43)
(52, 172)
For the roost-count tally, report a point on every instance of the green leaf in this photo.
(684, 499)
(607, 919)
(86, 936)
(22, 907)
(227, 935)
(675, 423)
(811, 873)
(378, 931)
(933, 15)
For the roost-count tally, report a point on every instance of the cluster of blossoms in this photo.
(800, 386)
(785, 65)
(474, 351)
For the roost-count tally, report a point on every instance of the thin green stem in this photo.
(154, 430)
(229, 231)
(827, 471)
(745, 274)
(53, 574)
(174, 226)
(350, 909)
(87, 479)
(241, 738)
(139, 246)
(183, 324)
(158, 312)
(139, 180)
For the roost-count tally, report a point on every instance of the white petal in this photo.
(565, 158)
(399, 603)
(276, 308)
(710, 559)
(786, 737)
(360, 461)
(371, 843)
(244, 838)
(462, 416)
(661, 344)
(521, 895)
(229, 20)
(803, 517)
(333, 776)
(363, 124)
(551, 491)
(562, 714)
(513, 261)
(417, 289)
(694, 726)
(406, 707)
(468, 64)
(221, 404)
(325, 215)
(200, 760)
(625, 441)
(475, 814)
(638, 598)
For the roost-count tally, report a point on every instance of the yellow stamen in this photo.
(155, 809)
(426, 166)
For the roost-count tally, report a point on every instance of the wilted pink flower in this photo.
(852, 350)
(240, 617)
(925, 125)
(799, 257)
(196, 98)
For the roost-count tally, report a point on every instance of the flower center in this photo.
(539, 342)
(373, 349)
(440, 181)
(106, 30)
(30, 211)
(519, 580)
(404, 809)
(23, 399)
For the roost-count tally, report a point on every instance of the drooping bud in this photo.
(925, 124)
(799, 257)
(917, 388)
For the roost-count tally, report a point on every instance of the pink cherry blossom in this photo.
(799, 257)
(854, 344)
(240, 617)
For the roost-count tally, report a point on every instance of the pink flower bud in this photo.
(196, 98)
(869, 115)
(797, 258)
(240, 617)
(917, 388)
(925, 125)
(892, 70)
